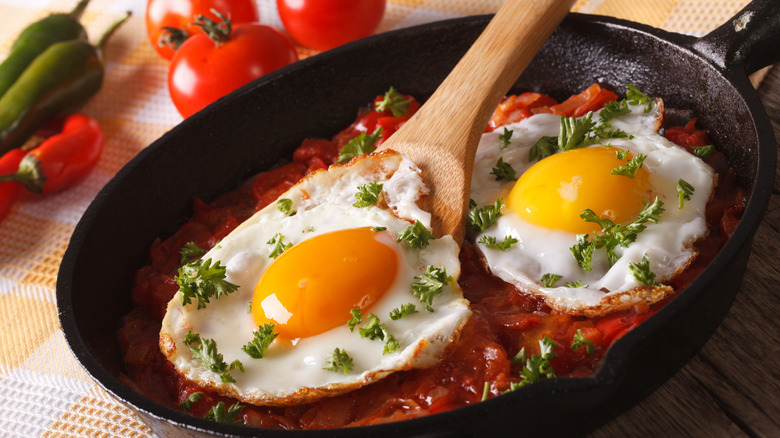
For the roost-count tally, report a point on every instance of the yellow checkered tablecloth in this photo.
(43, 391)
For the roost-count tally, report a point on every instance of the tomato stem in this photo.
(172, 37)
(219, 32)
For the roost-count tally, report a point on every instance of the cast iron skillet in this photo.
(259, 125)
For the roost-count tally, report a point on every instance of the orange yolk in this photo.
(311, 287)
(554, 191)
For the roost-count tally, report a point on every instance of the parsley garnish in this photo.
(504, 171)
(543, 148)
(220, 415)
(684, 191)
(279, 245)
(374, 329)
(362, 144)
(189, 251)
(356, 319)
(339, 359)
(430, 284)
(193, 398)
(485, 391)
(403, 311)
(263, 337)
(537, 366)
(205, 351)
(378, 229)
(483, 217)
(583, 251)
(285, 206)
(629, 169)
(368, 194)
(505, 138)
(636, 97)
(395, 102)
(613, 235)
(579, 340)
(549, 280)
(642, 272)
(415, 235)
(622, 154)
(493, 243)
(575, 284)
(574, 132)
(605, 130)
(613, 109)
(204, 281)
(703, 152)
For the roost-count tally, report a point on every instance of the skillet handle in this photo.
(750, 38)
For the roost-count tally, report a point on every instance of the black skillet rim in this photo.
(752, 216)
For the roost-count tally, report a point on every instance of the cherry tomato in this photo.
(180, 14)
(202, 71)
(324, 24)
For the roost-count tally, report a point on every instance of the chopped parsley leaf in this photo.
(220, 415)
(613, 110)
(504, 171)
(537, 366)
(356, 319)
(575, 131)
(703, 152)
(415, 235)
(189, 251)
(575, 284)
(402, 311)
(205, 351)
(203, 281)
(543, 148)
(493, 243)
(263, 337)
(684, 191)
(505, 138)
(483, 217)
(549, 280)
(395, 102)
(278, 245)
(642, 272)
(193, 398)
(629, 169)
(285, 206)
(360, 145)
(378, 229)
(368, 194)
(376, 330)
(339, 360)
(579, 340)
(636, 97)
(430, 284)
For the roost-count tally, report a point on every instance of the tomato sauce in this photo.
(504, 320)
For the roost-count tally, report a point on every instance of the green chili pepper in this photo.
(36, 38)
(58, 81)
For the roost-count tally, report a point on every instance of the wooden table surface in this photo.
(731, 388)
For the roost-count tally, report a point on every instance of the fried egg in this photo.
(338, 257)
(542, 212)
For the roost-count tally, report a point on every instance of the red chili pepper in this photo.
(10, 192)
(62, 159)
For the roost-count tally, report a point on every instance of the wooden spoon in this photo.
(442, 137)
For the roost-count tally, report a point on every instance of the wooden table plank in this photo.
(731, 388)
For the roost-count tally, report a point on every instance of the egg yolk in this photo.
(554, 191)
(312, 287)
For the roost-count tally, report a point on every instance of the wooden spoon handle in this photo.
(442, 137)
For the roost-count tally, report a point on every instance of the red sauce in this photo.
(504, 320)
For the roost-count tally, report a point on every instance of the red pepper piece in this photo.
(10, 192)
(62, 159)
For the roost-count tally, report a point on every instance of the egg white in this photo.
(668, 243)
(292, 372)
